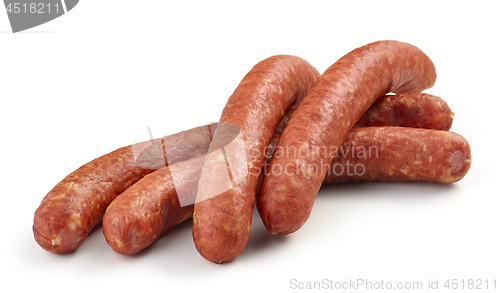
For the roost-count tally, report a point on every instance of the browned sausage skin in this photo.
(324, 118)
(400, 154)
(151, 207)
(416, 110)
(221, 224)
(76, 204)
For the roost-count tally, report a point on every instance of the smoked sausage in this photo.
(324, 118)
(400, 154)
(221, 220)
(416, 110)
(151, 207)
(75, 205)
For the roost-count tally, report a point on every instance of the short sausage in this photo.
(417, 110)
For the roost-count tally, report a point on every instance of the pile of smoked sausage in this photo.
(141, 191)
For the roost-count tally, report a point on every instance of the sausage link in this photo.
(324, 118)
(417, 110)
(400, 154)
(221, 224)
(151, 207)
(75, 205)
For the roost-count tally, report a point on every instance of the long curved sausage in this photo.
(324, 118)
(75, 205)
(222, 220)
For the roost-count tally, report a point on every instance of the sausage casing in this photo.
(418, 110)
(75, 205)
(222, 220)
(324, 118)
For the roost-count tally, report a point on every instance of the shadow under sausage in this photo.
(93, 239)
(260, 239)
(168, 241)
(387, 189)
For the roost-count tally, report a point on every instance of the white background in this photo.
(93, 80)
